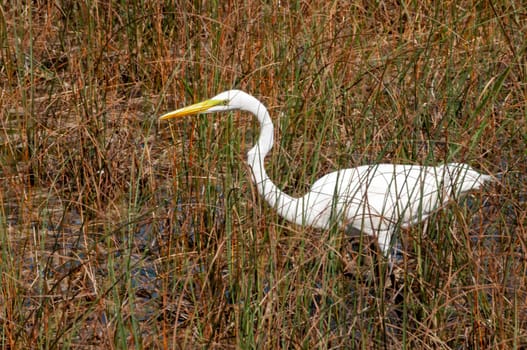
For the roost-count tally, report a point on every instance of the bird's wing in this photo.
(377, 197)
(402, 194)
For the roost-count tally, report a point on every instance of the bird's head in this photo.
(223, 102)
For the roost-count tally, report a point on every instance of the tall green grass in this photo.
(117, 231)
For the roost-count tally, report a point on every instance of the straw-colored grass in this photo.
(117, 231)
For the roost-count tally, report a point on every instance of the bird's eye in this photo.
(225, 102)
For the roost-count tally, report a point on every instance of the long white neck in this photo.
(285, 205)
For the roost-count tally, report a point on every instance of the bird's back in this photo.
(382, 197)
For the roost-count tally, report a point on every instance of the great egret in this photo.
(375, 199)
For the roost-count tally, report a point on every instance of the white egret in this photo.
(375, 199)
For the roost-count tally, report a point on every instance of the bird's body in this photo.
(375, 199)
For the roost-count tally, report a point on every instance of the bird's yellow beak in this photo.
(192, 109)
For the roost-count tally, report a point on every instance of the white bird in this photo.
(375, 199)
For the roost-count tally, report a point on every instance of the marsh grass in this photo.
(117, 231)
